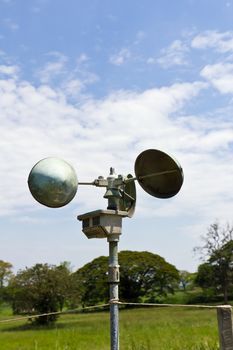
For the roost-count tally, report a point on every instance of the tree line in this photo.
(144, 277)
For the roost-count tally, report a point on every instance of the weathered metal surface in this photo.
(158, 174)
(113, 293)
(103, 223)
(225, 327)
(128, 200)
(113, 274)
(53, 182)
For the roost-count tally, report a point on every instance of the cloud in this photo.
(179, 52)
(82, 58)
(220, 41)
(220, 75)
(121, 57)
(173, 55)
(94, 134)
(53, 68)
(73, 87)
(57, 72)
(9, 70)
(37, 122)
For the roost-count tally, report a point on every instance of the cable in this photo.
(113, 301)
(53, 313)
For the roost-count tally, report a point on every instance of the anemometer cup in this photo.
(158, 173)
(53, 182)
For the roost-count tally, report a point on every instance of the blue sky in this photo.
(96, 83)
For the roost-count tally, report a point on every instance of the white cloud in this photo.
(53, 68)
(220, 41)
(9, 70)
(151, 60)
(73, 81)
(220, 75)
(73, 87)
(39, 122)
(121, 57)
(94, 134)
(82, 58)
(173, 55)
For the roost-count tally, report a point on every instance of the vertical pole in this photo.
(114, 280)
(225, 327)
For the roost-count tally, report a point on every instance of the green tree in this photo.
(5, 275)
(143, 275)
(217, 251)
(40, 289)
(206, 276)
(91, 282)
(64, 283)
(187, 280)
(5, 272)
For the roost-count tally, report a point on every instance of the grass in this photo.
(140, 329)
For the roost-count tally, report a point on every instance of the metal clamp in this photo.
(114, 274)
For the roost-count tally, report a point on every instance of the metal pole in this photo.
(114, 279)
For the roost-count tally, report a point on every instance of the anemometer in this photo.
(54, 183)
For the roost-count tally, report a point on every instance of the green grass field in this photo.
(140, 329)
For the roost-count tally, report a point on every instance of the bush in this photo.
(40, 289)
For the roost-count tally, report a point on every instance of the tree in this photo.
(143, 275)
(187, 279)
(91, 282)
(5, 275)
(217, 251)
(5, 272)
(40, 289)
(64, 283)
(206, 276)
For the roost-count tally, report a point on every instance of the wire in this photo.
(113, 301)
(28, 317)
(169, 305)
